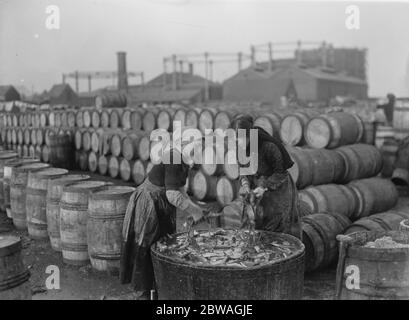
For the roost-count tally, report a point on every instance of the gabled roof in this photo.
(320, 74)
(186, 77)
(58, 89)
(6, 89)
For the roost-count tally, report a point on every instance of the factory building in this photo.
(311, 76)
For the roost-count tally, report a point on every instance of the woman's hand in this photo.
(259, 191)
(244, 190)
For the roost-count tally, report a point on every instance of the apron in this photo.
(149, 216)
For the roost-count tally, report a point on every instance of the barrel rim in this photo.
(297, 254)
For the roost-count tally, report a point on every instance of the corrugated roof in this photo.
(152, 94)
(332, 76)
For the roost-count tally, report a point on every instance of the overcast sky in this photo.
(92, 31)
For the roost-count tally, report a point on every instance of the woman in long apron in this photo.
(151, 214)
(278, 207)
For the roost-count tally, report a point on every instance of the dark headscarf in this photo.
(246, 122)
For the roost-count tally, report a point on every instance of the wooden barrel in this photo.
(374, 195)
(64, 118)
(103, 162)
(293, 125)
(203, 186)
(149, 121)
(226, 190)
(106, 209)
(37, 185)
(31, 151)
(20, 136)
(383, 133)
(54, 192)
(213, 159)
(388, 220)
(95, 119)
(61, 150)
(116, 143)
(206, 119)
(7, 171)
(361, 161)
(5, 157)
(105, 138)
(389, 152)
(110, 100)
(73, 220)
(87, 118)
(58, 121)
(223, 118)
(44, 119)
(319, 238)
(126, 119)
(330, 198)
(180, 116)
(18, 183)
(86, 140)
(14, 276)
(27, 136)
(136, 145)
(369, 134)
(113, 167)
(192, 118)
(45, 154)
(315, 166)
(136, 119)
(37, 153)
(25, 151)
(401, 120)
(78, 139)
(105, 118)
(125, 169)
(139, 171)
(71, 118)
(115, 118)
(92, 161)
(333, 130)
(230, 165)
(385, 269)
(79, 119)
(164, 119)
(270, 122)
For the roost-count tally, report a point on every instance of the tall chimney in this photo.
(122, 73)
(324, 55)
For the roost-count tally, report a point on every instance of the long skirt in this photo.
(149, 216)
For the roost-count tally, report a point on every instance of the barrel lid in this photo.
(20, 161)
(87, 185)
(33, 166)
(113, 192)
(8, 154)
(9, 244)
(50, 172)
(70, 178)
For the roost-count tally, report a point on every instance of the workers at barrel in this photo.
(388, 108)
(151, 215)
(277, 207)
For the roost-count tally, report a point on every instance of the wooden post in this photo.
(270, 56)
(253, 56)
(206, 56)
(76, 82)
(298, 53)
(164, 72)
(174, 74)
(89, 83)
(240, 60)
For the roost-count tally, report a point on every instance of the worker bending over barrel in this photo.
(151, 214)
(271, 192)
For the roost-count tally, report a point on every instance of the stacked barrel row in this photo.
(118, 153)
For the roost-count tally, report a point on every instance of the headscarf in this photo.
(246, 122)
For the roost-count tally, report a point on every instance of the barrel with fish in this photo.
(222, 264)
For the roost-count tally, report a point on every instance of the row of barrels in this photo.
(341, 165)
(130, 144)
(81, 217)
(26, 135)
(358, 199)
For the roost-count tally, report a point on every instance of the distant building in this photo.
(9, 93)
(268, 83)
(183, 87)
(62, 94)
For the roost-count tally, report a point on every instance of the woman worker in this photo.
(150, 215)
(277, 208)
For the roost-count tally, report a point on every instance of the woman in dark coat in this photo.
(278, 208)
(151, 214)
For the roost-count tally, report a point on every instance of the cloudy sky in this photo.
(92, 31)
